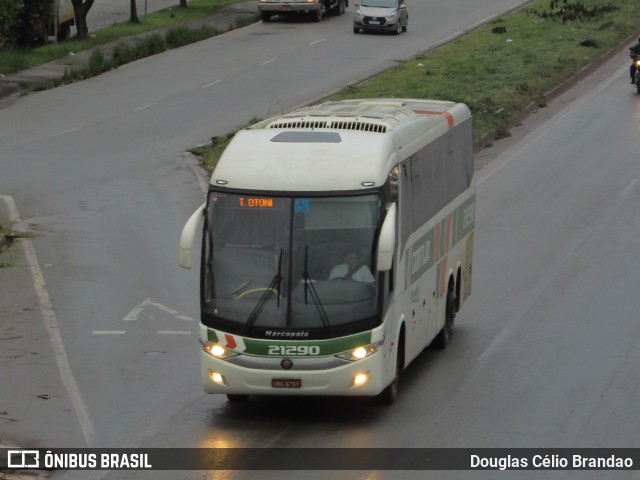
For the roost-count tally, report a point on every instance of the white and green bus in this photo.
(337, 243)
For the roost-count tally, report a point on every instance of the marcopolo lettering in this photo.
(285, 334)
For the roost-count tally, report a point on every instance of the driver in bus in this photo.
(350, 269)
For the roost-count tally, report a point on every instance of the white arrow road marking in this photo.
(135, 313)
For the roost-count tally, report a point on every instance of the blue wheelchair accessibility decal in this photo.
(302, 205)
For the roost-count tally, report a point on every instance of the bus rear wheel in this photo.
(443, 338)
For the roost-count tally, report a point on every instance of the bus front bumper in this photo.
(221, 376)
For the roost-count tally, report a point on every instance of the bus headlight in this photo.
(217, 351)
(359, 353)
(360, 379)
(217, 378)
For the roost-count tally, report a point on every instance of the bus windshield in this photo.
(290, 267)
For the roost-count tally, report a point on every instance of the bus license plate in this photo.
(286, 382)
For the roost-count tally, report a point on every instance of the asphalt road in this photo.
(545, 353)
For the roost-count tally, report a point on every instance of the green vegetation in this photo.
(10, 233)
(7, 235)
(209, 153)
(498, 75)
(498, 70)
(13, 59)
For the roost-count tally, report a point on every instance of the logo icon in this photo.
(23, 459)
(287, 364)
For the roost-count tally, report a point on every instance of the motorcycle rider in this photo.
(635, 50)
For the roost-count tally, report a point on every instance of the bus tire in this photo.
(443, 338)
(237, 397)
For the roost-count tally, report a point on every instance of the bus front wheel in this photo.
(389, 395)
(237, 398)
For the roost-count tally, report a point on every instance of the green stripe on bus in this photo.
(421, 256)
(466, 217)
(326, 347)
(211, 335)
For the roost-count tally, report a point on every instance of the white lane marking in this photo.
(185, 318)
(65, 132)
(629, 187)
(51, 324)
(317, 41)
(173, 332)
(109, 332)
(269, 61)
(144, 107)
(212, 83)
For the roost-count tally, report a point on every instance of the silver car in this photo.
(381, 15)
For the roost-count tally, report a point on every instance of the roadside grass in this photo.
(14, 59)
(10, 233)
(209, 153)
(7, 236)
(498, 75)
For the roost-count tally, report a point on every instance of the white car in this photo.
(381, 15)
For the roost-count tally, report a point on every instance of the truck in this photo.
(42, 20)
(314, 8)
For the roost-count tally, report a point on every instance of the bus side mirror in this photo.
(191, 228)
(387, 240)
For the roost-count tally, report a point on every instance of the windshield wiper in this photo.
(308, 287)
(274, 286)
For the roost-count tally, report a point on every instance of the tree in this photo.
(81, 9)
(32, 22)
(9, 11)
(134, 12)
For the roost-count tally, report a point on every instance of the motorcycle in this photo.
(636, 60)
